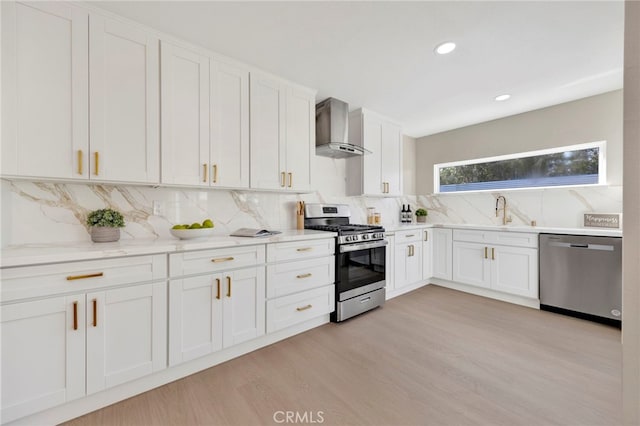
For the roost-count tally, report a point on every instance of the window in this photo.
(570, 165)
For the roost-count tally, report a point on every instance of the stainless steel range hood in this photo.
(332, 130)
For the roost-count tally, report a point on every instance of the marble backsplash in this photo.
(44, 213)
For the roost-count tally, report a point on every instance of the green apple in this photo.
(208, 223)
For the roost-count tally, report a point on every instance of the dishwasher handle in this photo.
(601, 247)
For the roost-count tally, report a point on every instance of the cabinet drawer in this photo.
(517, 239)
(409, 235)
(293, 277)
(216, 260)
(298, 250)
(45, 280)
(286, 311)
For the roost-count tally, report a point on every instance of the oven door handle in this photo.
(362, 246)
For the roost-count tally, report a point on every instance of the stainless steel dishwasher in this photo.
(582, 276)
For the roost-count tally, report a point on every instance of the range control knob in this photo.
(365, 237)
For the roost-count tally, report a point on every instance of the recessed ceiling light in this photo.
(501, 98)
(446, 47)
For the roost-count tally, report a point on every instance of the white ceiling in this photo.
(379, 55)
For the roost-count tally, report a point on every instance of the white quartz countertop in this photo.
(600, 232)
(34, 254)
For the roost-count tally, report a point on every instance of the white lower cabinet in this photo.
(389, 260)
(72, 329)
(43, 358)
(427, 254)
(52, 347)
(300, 282)
(126, 334)
(506, 268)
(215, 311)
(407, 263)
(442, 251)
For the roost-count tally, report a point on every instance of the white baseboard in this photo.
(485, 292)
(110, 396)
(397, 292)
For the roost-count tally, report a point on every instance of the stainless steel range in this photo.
(360, 259)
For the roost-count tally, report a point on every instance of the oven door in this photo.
(360, 268)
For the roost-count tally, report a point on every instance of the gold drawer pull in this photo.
(290, 180)
(95, 312)
(283, 178)
(97, 161)
(82, 277)
(222, 259)
(304, 308)
(410, 235)
(305, 249)
(79, 161)
(229, 284)
(204, 173)
(493, 253)
(486, 256)
(303, 275)
(218, 283)
(215, 173)
(75, 315)
(426, 235)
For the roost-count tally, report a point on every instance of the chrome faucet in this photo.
(505, 219)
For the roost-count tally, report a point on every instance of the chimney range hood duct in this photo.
(332, 129)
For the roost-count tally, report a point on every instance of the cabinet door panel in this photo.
(470, 266)
(185, 117)
(124, 102)
(442, 250)
(391, 164)
(515, 270)
(372, 163)
(244, 305)
(267, 133)
(389, 262)
(195, 317)
(229, 125)
(301, 107)
(427, 254)
(408, 264)
(43, 360)
(128, 338)
(45, 90)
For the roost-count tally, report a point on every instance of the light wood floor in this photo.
(431, 357)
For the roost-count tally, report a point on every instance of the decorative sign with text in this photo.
(602, 220)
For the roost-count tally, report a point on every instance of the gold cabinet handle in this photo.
(215, 173)
(290, 180)
(222, 259)
(493, 253)
(82, 277)
(305, 249)
(96, 156)
(486, 256)
(79, 161)
(218, 283)
(204, 173)
(75, 315)
(229, 287)
(410, 235)
(410, 250)
(426, 235)
(304, 308)
(303, 275)
(95, 312)
(283, 177)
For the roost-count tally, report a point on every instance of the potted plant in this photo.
(421, 215)
(105, 225)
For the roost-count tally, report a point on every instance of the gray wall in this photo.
(409, 165)
(586, 120)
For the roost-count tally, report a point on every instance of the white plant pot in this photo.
(104, 234)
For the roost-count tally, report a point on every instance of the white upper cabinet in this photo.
(45, 90)
(229, 125)
(378, 173)
(185, 116)
(282, 134)
(205, 120)
(124, 102)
